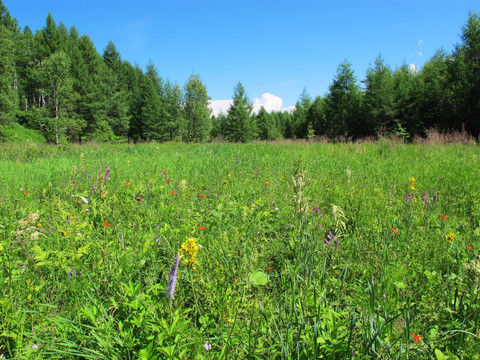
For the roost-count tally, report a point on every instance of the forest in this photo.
(55, 81)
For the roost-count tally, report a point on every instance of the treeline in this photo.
(55, 81)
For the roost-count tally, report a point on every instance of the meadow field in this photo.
(287, 250)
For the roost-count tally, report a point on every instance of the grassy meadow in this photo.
(288, 251)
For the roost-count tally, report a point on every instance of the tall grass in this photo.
(304, 250)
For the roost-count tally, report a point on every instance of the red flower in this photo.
(168, 179)
(201, 228)
(443, 217)
(106, 224)
(269, 269)
(265, 183)
(202, 196)
(26, 192)
(127, 184)
(140, 198)
(164, 171)
(173, 193)
(416, 337)
(469, 248)
(394, 230)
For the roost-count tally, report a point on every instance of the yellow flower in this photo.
(412, 183)
(450, 237)
(189, 250)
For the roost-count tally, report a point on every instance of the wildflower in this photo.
(316, 209)
(127, 184)
(34, 346)
(265, 183)
(79, 234)
(332, 237)
(189, 248)
(469, 248)
(106, 175)
(140, 198)
(105, 224)
(99, 262)
(26, 192)
(450, 237)
(443, 217)
(39, 224)
(412, 183)
(416, 337)
(173, 193)
(164, 171)
(83, 199)
(207, 346)
(168, 179)
(68, 220)
(269, 268)
(326, 242)
(172, 279)
(201, 228)
(394, 230)
(202, 196)
(102, 194)
(229, 176)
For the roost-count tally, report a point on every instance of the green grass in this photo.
(267, 285)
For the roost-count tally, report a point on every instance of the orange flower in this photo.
(201, 228)
(173, 193)
(164, 171)
(106, 224)
(127, 184)
(443, 217)
(85, 165)
(269, 269)
(265, 183)
(469, 248)
(168, 179)
(394, 230)
(103, 195)
(202, 196)
(26, 192)
(140, 198)
(416, 337)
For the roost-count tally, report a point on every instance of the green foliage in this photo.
(196, 111)
(241, 125)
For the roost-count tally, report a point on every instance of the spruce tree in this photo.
(241, 125)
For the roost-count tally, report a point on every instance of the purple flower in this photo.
(326, 242)
(316, 209)
(106, 174)
(332, 237)
(70, 276)
(172, 279)
(207, 346)
(68, 220)
(34, 346)
(322, 213)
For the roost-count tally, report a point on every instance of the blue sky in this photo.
(275, 48)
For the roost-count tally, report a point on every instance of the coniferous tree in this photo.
(196, 110)
(465, 70)
(241, 126)
(378, 101)
(300, 118)
(342, 103)
(8, 92)
(175, 123)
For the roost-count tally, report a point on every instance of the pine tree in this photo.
(342, 103)
(241, 125)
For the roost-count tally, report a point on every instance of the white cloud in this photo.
(219, 106)
(269, 101)
(413, 68)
